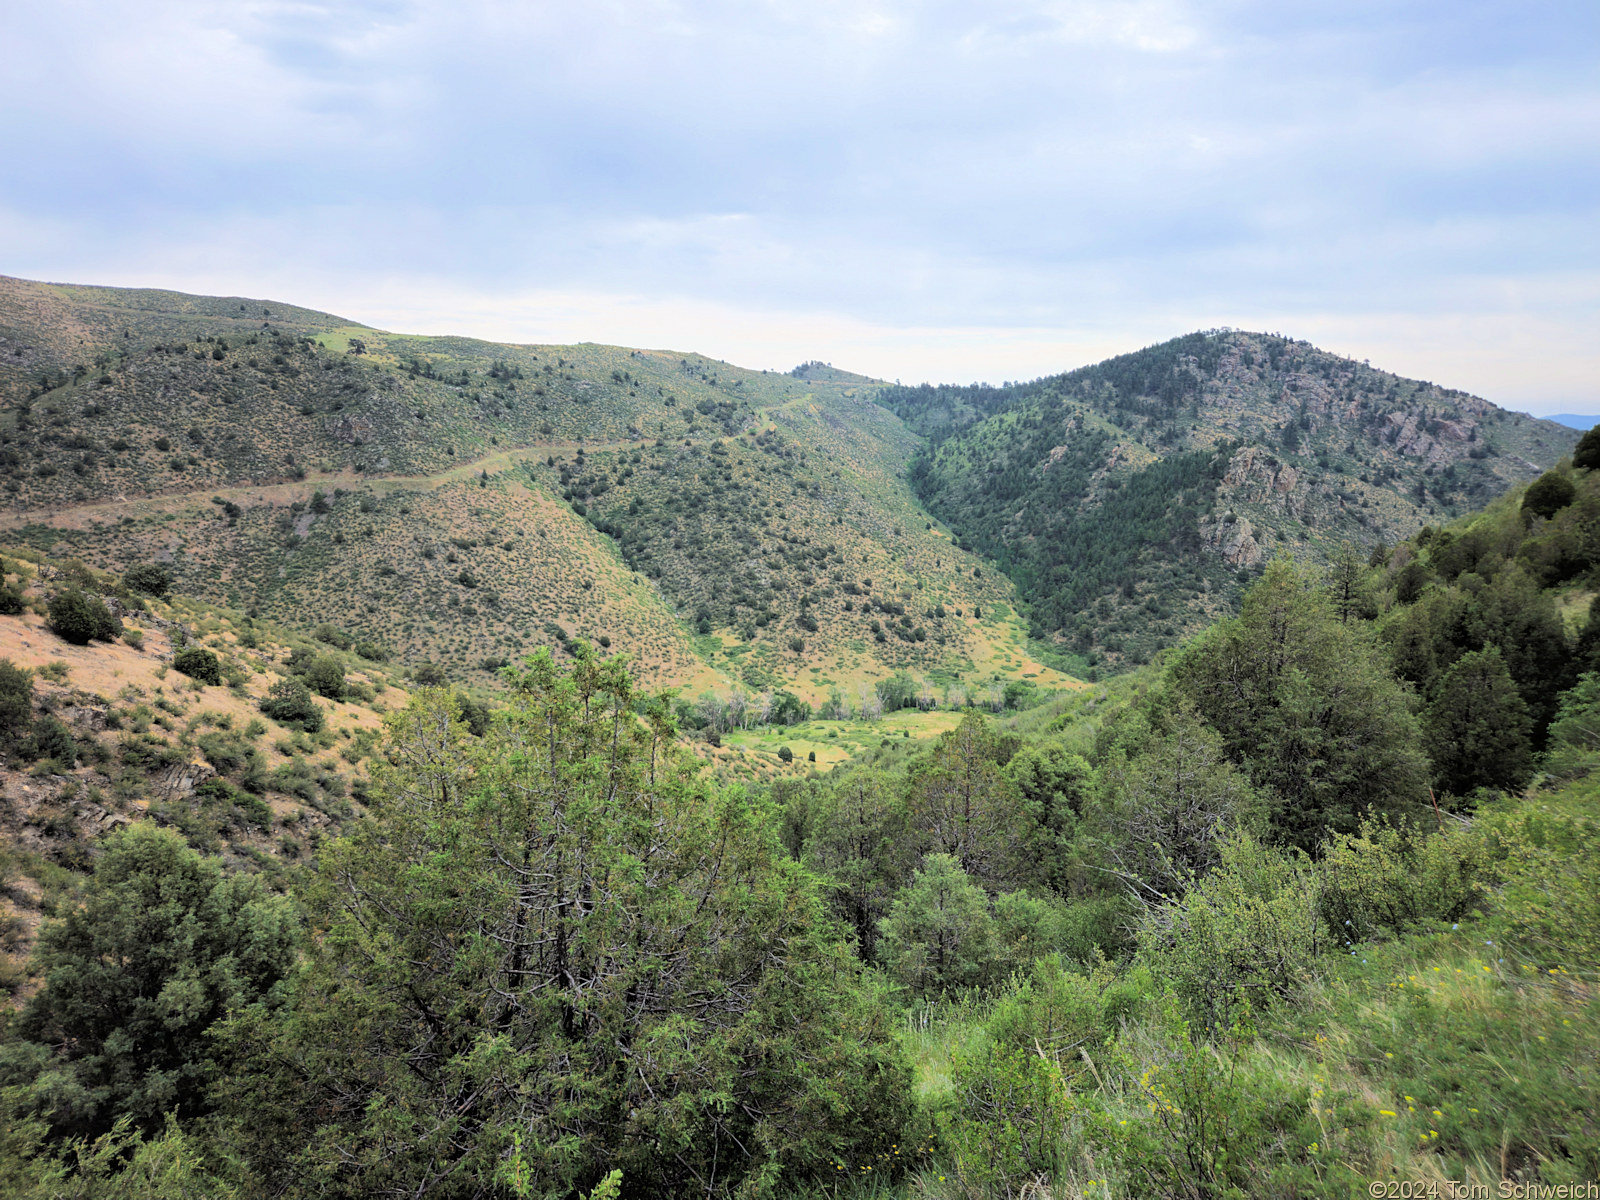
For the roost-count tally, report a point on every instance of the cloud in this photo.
(975, 184)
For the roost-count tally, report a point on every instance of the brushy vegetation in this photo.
(1202, 931)
(1122, 496)
(1308, 901)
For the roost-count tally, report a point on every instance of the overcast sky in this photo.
(937, 190)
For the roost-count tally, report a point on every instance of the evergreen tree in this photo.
(1476, 728)
(1170, 808)
(16, 701)
(939, 936)
(860, 839)
(963, 806)
(1347, 584)
(1055, 785)
(556, 946)
(76, 617)
(1548, 494)
(161, 947)
(1587, 454)
(1308, 708)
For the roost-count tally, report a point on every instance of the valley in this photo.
(442, 768)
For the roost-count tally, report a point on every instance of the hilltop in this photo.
(1131, 499)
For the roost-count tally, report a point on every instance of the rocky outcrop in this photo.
(1235, 541)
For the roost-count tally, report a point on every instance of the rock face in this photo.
(1254, 467)
(182, 778)
(1235, 541)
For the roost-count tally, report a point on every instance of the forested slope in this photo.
(1128, 499)
(1308, 904)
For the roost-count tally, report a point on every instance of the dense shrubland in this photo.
(1309, 903)
(1271, 919)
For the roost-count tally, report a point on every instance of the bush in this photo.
(372, 652)
(1244, 936)
(198, 664)
(1588, 452)
(152, 579)
(332, 635)
(76, 617)
(938, 935)
(324, 675)
(1549, 494)
(1575, 733)
(290, 703)
(53, 740)
(1011, 1124)
(1549, 905)
(11, 602)
(785, 754)
(16, 700)
(161, 947)
(1390, 879)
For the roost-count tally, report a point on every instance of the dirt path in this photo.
(82, 516)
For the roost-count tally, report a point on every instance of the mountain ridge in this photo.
(816, 525)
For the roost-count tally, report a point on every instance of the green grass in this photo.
(837, 742)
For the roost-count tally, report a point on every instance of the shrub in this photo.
(1550, 902)
(16, 700)
(785, 754)
(198, 664)
(152, 579)
(1391, 879)
(1575, 733)
(1011, 1122)
(161, 947)
(324, 675)
(290, 703)
(1588, 452)
(331, 635)
(1548, 494)
(11, 602)
(53, 740)
(76, 617)
(1245, 935)
(938, 935)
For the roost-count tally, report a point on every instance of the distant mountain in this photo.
(1131, 500)
(1575, 420)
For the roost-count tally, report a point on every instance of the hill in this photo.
(1130, 500)
(1309, 904)
(461, 501)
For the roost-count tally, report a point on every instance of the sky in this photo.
(929, 190)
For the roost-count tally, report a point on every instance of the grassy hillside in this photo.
(110, 732)
(1129, 499)
(462, 501)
